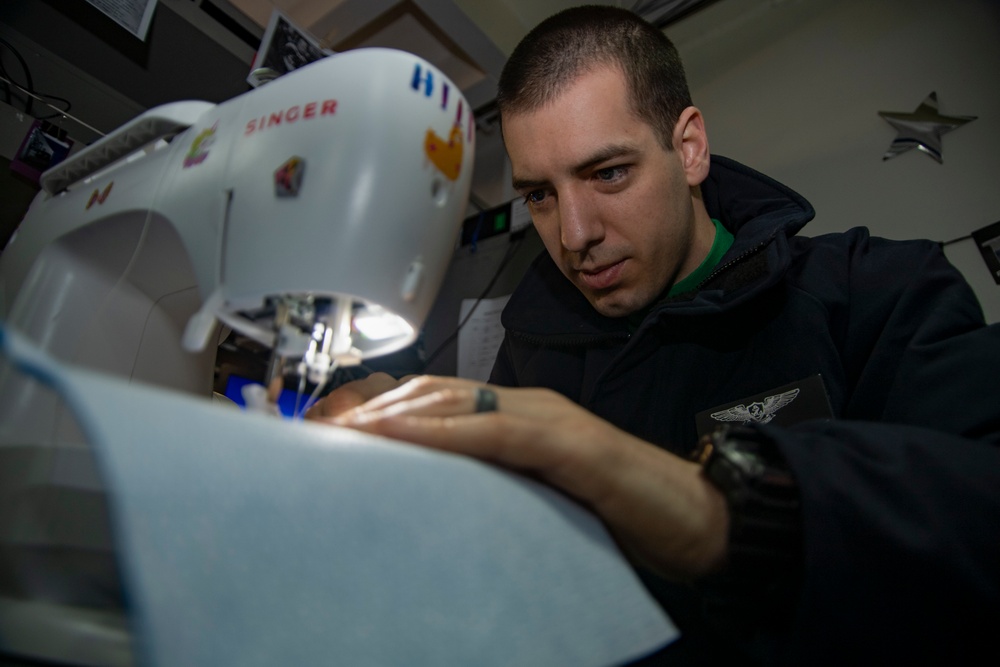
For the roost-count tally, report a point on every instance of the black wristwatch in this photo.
(765, 529)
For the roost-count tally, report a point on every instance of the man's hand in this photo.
(665, 515)
(353, 394)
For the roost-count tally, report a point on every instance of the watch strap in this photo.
(765, 531)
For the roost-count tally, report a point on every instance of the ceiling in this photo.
(469, 40)
(204, 49)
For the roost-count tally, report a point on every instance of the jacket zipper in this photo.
(742, 257)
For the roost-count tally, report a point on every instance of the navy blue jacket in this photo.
(900, 492)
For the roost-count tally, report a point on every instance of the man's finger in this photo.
(492, 437)
(353, 394)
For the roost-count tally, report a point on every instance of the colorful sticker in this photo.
(199, 147)
(446, 155)
(423, 82)
(97, 197)
(288, 177)
(420, 78)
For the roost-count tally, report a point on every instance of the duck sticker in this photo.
(446, 155)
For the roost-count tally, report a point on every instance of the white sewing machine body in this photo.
(362, 161)
(341, 185)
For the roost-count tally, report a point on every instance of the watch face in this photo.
(741, 460)
(744, 456)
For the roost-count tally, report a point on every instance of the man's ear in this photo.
(691, 141)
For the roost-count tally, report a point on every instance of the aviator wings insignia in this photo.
(760, 412)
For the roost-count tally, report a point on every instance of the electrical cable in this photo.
(511, 251)
(29, 89)
(960, 238)
(43, 97)
(27, 75)
(59, 112)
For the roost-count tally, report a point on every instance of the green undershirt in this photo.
(722, 243)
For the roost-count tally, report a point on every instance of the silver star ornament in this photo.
(921, 129)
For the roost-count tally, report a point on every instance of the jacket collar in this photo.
(754, 207)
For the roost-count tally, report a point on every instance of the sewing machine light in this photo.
(378, 324)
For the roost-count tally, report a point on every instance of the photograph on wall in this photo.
(133, 15)
(284, 48)
(988, 241)
(43, 147)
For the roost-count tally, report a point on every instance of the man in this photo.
(675, 290)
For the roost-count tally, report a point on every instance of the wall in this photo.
(793, 88)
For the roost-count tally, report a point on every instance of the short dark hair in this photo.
(580, 39)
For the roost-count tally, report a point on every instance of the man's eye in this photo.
(609, 174)
(534, 197)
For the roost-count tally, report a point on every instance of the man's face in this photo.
(613, 207)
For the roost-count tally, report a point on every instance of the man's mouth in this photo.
(601, 277)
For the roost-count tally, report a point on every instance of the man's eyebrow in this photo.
(521, 184)
(603, 154)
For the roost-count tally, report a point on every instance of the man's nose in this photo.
(580, 227)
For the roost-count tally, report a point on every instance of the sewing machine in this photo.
(316, 215)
